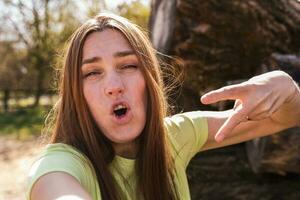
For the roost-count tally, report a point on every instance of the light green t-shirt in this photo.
(187, 133)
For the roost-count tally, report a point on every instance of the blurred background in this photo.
(212, 43)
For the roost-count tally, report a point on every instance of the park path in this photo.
(16, 157)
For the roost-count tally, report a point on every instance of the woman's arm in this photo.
(264, 105)
(58, 186)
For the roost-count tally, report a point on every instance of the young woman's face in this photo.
(114, 86)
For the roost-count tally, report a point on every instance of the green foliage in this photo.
(40, 30)
(135, 11)
(33, 44)
(95, 7)
(8, 66)
(24, 122)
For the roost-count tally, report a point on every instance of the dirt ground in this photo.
(214, 175)
(15, 159)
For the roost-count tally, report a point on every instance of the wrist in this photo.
(294, 96)
(294, 101)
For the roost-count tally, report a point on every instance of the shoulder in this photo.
(59, 157)
(187, 133)
(48, 188)
(65, 161)
(189, 123)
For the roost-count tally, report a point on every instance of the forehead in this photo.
(104, 43)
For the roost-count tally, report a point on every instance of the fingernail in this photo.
(203, 99)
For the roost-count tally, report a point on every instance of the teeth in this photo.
(120, 106)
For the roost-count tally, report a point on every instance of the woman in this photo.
(111, 138)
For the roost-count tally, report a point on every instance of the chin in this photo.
(125, 139)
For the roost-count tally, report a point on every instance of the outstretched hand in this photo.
(255, 99)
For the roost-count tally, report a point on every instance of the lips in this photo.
(121, 112)
(119, 106)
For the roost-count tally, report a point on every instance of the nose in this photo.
(114, 85)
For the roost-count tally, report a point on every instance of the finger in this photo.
(231, 92)
(238, 116)
(237, 103)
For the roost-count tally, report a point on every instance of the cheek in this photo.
(97, 108)
(145, 99)
(143, 93)
(87, 93)
(92, 95)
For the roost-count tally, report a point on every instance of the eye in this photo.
(129, 66)
(91, 74)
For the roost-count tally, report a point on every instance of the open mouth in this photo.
(120, 110)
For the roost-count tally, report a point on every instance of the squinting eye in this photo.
(130, 66)
(90, 74)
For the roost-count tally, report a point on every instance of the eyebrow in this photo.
(117, 54)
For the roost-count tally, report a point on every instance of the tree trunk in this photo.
(278, 153)
(39, 86)
(220, 42)
(6, 94)
(38, 91)
(162, 24)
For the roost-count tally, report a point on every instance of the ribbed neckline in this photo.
(125, 166)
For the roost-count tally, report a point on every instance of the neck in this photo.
(127, 150)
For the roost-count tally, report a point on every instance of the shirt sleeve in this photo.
(188, 132)
(58, 161)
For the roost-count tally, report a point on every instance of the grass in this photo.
(23, 123)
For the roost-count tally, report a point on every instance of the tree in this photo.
(220, 41)
(223, 42)
(135, 11)
(95, 6)
(10, 70)
(41, 28)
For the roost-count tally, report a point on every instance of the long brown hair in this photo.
(74, 124)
